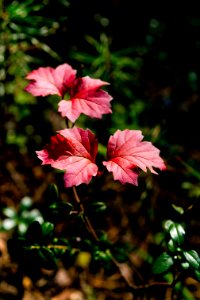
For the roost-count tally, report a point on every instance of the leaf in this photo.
(193, 258)
(99, 206)
(47, 258)
(26, 203)
(197, 274)
(61, 208)
(73, 150)
(103, 256)
(86, 97)
(172, 246)
(9, 212)
(162, 263)
(185, 265)
(179, 209)
(126, 152)
(176, 231)
(47, 229)
(53, 191)
(50, 81)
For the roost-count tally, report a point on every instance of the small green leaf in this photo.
(26, 203)
(193, 258)
(61, 207)
(9, 212)
(8, 224)
(197, 274)
(162, 263)
(47, 228)
(176, 231)
(179, 209)
(167, 224)
(171, 246)
(102, 255)
(185, 265)
(22, 227)
(53, 191)
(99, 206)
(47, 258)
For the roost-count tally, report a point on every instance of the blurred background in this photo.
(152, 64)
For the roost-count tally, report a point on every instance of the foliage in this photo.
(24, 29)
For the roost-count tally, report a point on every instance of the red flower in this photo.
(73, 150)
(126, 153)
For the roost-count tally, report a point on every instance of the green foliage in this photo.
(162, 263)
(181, 262)
(122, 68)
(24, 28)
(176, 232)
(20, 219)
(38, 242)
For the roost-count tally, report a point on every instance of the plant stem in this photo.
(86, 219)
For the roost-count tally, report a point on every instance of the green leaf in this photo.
(47, 228)
(176, 231)
(197, 274)
(99, 206)
(162, 263)
(53, 191)
(26, 203)
(64, 206)
(9, 212)
(193, 258)
(47, 258)
(172, 246)
(185, 265)
(8, 224)
(102, 255)
(179, 209)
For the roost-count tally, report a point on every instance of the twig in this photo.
(86, 219)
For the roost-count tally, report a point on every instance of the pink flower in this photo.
(126, 153)
(85, 94)
(74, 151)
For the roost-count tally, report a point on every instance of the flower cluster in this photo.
(74, 149)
